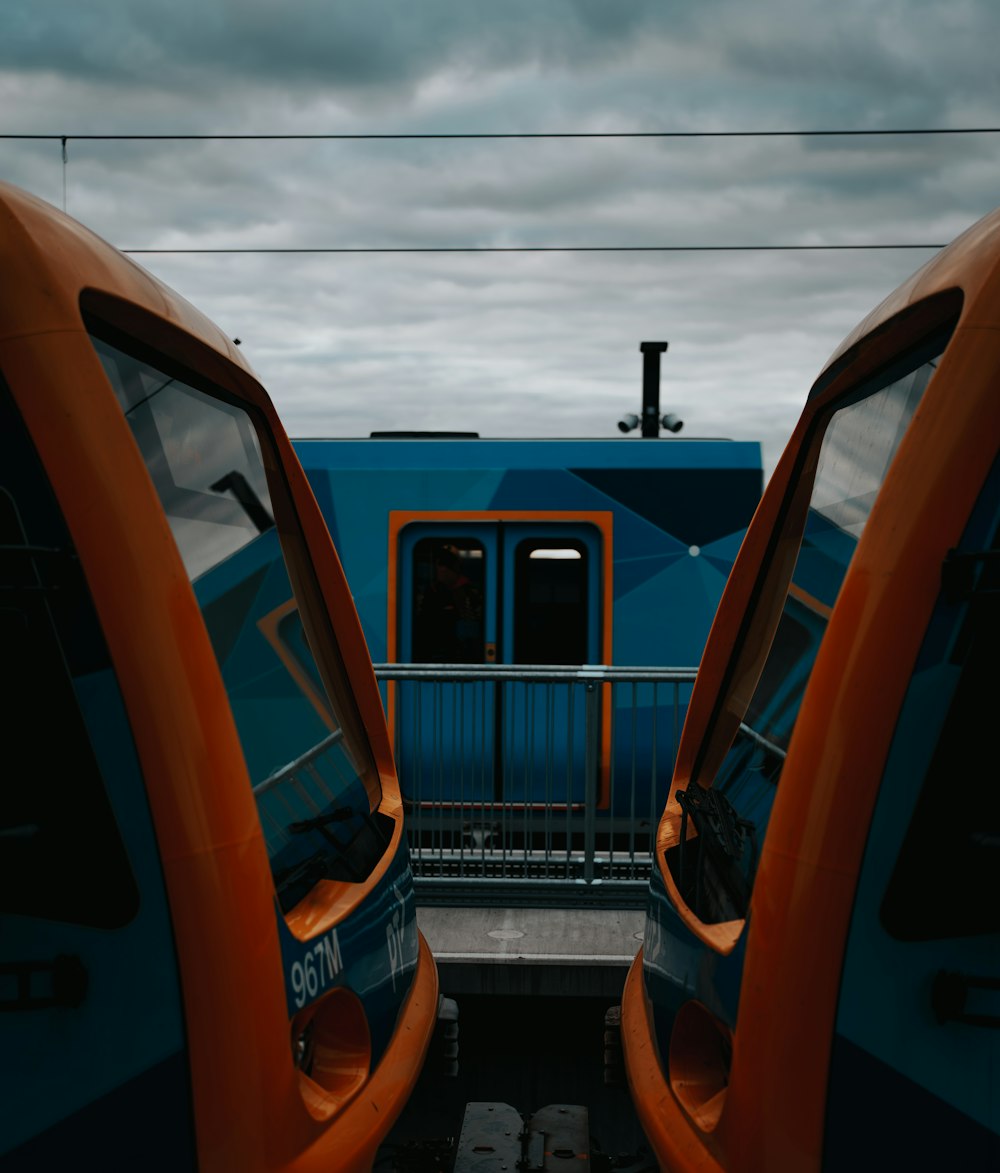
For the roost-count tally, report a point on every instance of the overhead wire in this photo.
(445, 135)
(64, 139)
(550, 248)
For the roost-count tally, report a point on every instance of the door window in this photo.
(551, 612)
(448, 593)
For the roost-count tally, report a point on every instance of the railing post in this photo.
(592, 735)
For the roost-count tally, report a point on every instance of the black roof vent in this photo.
(424, 436)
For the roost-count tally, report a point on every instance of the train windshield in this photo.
(313, 777)
(841, 477)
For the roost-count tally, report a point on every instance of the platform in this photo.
(532, 951)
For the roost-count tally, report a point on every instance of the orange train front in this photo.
(209, 955)
(819, 983)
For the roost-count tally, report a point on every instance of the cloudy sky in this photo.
(514, 343)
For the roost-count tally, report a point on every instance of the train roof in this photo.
(542, 452)
(970, 263)
(49, 259)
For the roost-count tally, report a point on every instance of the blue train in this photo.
(513, 560)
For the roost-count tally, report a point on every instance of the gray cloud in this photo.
(514, 344)
(382, 43)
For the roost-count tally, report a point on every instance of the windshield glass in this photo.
(857, 448)
(314, 782)
(854, 453)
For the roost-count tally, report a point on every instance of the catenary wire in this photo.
(549, 248)
(474, 135)
(582, 134)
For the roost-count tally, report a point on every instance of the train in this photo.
(209, 956)
(818, 985)
(486, 572)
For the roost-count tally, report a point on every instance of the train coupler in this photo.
(444, 1044)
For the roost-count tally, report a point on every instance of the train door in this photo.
(497, 592)
(920, 997)
(84, 907)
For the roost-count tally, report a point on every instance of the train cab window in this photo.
(550, 602)
(448, 595)
(730, 796)
(61, 854)
(312, 773)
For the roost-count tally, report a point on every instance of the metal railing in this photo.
(543, 783)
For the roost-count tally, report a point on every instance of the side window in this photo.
(449, 579)
(550, 602)
(61, 855)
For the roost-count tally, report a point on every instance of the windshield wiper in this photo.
(350, 860)
(319, 822)
(723, 839)
(340, 815)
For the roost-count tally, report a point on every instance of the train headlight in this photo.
(701, 1048)
(332, 1050)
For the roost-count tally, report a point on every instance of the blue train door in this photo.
(496, 592)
